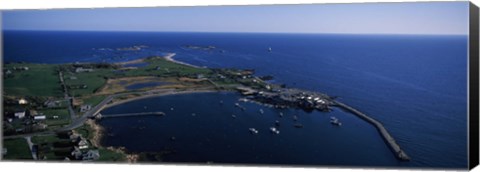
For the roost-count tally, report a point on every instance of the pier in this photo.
(400, 154)
(100, 116)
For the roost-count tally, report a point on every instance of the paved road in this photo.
(67, 98)
(44, 133)
(30, 145)
(78, 122)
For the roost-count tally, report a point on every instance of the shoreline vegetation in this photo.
(111, 82)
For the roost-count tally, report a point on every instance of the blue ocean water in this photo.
(416, 85)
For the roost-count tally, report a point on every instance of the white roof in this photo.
(40, 117)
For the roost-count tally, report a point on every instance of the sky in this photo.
(445, 18)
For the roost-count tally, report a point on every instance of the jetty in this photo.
(400, 154)
(100, 116)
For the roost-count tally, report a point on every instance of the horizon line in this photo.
(237, 32)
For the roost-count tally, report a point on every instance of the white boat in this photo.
(269, 49)
(253, 130)
(335, 121)
(261, 111)
(274, 130)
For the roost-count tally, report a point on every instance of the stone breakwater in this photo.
(400, 154)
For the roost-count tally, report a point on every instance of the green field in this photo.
(109, 156)
(86, 131)
(93, 80)
(63, 116)
(166, 68)
(39, 80)
(44, 139)
(94, 100)
(17, 149)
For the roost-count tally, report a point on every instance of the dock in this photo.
(100, 116)
(399, 153)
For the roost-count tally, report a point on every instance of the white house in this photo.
(22, 102)
(39, 117)
(20, 115)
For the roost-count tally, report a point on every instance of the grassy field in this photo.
(86, 131)
(93, 100)
(93, 80)
(109, 155)
(39, 80)
(44, 139)
(63, 117)
(17, 149)
(166, 68)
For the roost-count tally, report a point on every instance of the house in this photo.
(20, 115)
(91, 155)
(83, 144)
(22, 101)
(73, 78)
(158, 68)
(8, 72)
(81, 69)
(4, 151)
(51, 103)
(77, 153)
(85, 108)
(39, 117)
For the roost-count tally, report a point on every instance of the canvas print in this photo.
(350, 85)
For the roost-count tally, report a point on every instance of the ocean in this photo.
(416, 85)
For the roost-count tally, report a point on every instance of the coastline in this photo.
(99, 131)
(169, 57)
(169, 92)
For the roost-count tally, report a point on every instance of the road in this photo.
(30, 145)
(78, 122)
(67, 98)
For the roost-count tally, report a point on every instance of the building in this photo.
(83, 144)
(39, 117)
(85, 108)
(51, 103)
(22, 101)
(91, 155)
(81, 69)
(77, 153)
(20, 115)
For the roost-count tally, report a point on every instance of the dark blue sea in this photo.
(416, 85)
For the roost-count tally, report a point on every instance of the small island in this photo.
(51, 109)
